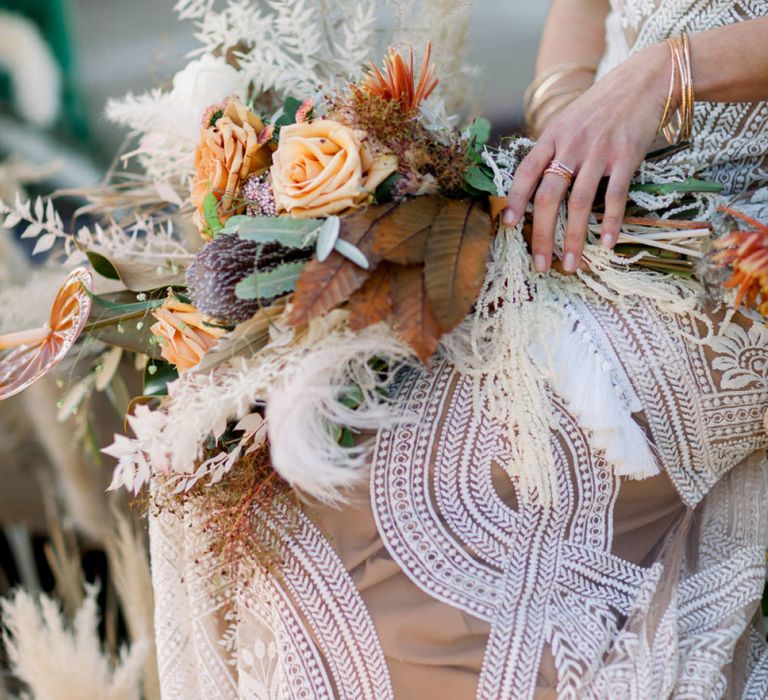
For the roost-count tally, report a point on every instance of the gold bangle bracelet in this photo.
(682, 72)
(540, 91)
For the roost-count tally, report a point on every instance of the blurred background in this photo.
(107, 48)
(60, 60)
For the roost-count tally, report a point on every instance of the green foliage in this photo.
(157, 375)
(292, 233)
(211, 214)
(290, 107)
(479, 179)
(270, 284)
(383, 192)
(102, 265)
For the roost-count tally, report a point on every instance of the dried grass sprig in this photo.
(234, 513)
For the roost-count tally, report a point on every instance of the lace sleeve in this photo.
(703, 398)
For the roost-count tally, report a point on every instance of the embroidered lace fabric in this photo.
(440, 580)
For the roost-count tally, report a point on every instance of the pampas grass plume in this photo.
(61, 662)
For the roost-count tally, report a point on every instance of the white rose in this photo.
(199, 85)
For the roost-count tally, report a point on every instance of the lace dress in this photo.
(441, 580)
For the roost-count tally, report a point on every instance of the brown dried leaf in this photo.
(372, 303)
(325, 285)
(455, 263)
(415, 320)
(401, 237)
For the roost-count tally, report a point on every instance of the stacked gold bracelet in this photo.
(543, 99)
(682, 75)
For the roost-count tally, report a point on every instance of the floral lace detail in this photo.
(701, 424)
(743, 357)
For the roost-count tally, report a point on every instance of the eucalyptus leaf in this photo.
(267, 285)
(292, 233)
(326, 240)
(352, 253)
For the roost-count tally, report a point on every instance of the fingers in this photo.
(579, 209)
(615, 203)
(546, 208)
(525, 180)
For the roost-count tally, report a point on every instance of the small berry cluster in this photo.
(259, 196)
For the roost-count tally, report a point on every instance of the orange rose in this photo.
(323, 167)
(184, 337)
(236, 146)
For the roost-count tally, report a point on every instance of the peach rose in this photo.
(235, 147)
(323, 167)
(184, 337)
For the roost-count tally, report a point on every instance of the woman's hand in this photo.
(605, 132)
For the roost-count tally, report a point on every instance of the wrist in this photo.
(656, 63)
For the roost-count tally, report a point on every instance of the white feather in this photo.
(304, 406)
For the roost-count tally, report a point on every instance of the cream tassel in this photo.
(578, 374)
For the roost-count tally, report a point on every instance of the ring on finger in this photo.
(555, 167)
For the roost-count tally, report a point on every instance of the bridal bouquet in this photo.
(299, 231)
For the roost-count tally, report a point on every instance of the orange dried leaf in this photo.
(456, 259)
(497, 205)
(372, 303)
(415, 320)
(402, 236)
(323, 286)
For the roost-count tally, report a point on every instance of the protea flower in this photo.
(398, 82)
(746, 253)
(222, 263)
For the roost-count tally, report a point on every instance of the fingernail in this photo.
(540, 262)
(607, 240)
(509, 217)
(570, 262)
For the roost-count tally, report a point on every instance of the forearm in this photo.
(574, 33)
(571, 47)
(729, 64)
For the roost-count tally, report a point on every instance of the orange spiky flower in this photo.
(398, 82)
(746, 252)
